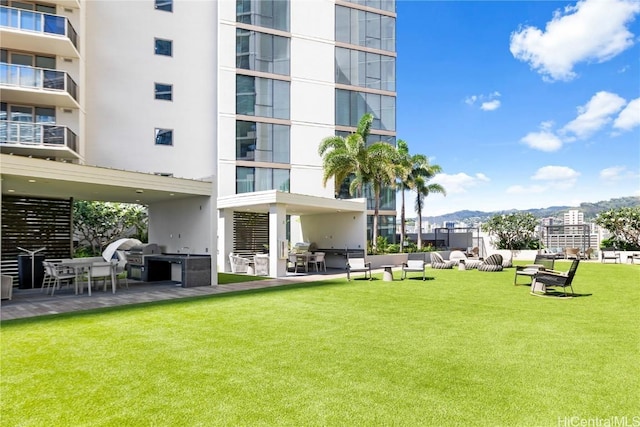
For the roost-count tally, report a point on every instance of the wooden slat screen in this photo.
(32, 223)
(250, 233)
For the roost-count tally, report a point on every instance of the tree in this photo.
(513, 231)
(382, 173)
(422, 188)
(624, 225)
(408, 168)
(97, 224)
(346, 156)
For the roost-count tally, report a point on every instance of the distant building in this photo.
(573, 217)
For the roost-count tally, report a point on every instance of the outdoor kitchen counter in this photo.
(189, 270)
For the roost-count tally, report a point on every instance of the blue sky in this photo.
(524, 104)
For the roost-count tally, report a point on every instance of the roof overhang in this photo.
(24, 176)
(295, 204)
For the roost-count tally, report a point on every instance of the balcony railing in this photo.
(28, 20)
(37, 78)
(35, 134)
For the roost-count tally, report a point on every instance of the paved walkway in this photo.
(32, 302)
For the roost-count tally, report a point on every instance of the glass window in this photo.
(262, 52)
(367, 29)
(264, 13)
(164, 136)
(352, 105)
(256, 96)
(262, 142)
(260, 179)
(164, 91)
(166, 5)
(163, 47)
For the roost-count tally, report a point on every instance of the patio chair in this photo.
(572, 253)
(492, 263)
(61, 275)
(355, 265)
(261, 263)
(102, 270)
(121, 272)
(6, 287)
(416, 263)
(541, 263)
(318, 260)
(469, 263)
(587, 253)
(238, 264)
(439, 263)
(544, 280)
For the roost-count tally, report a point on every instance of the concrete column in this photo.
(277, 233)
(225, 238)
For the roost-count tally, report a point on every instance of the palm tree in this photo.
(345, 156)
(408, 168)
(423, 189)
(383, 169)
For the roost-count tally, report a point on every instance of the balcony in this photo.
(38, 140)
(38, 32)
(21, 84)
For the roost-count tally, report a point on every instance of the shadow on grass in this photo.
(173, 301)
(559, 295)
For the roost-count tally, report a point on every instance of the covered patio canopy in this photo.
(330, 223)
(172, 202)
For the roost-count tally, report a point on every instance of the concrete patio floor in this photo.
(33, 302)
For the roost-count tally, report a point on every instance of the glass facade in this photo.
(388, 5)
(262, 52)
(260, 179)
(366, 29)
(262, 142)
(264, 13)
(386, 227)
(365, 69)
(351, 106)
(257, 96)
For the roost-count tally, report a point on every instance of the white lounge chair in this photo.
(355, 265)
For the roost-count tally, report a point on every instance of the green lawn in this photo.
(466, 348)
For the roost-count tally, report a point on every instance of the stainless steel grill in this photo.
(135, 259)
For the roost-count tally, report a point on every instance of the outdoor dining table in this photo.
(82, 265)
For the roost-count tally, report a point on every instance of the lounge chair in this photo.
(541, 263)
(572, 253)
(439, 263)
(544, 280)
(469, 263)
(415, 263)
(261, 262)
(355, 265)
(492, 263)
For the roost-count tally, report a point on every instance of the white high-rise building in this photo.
(574, 217)
(239, 93)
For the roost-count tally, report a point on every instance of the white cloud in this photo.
(561, 177)
(629, 117)
(460, 182)
(488, 102)
(592, 30)
(490, 105)
(594, 114)
(544, 140)
(613, 173)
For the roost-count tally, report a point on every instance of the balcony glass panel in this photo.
(36, 21)
(36, 134)
(23, 76)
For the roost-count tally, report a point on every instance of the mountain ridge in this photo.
(590, 211)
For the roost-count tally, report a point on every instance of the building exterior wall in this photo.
(122, 112)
